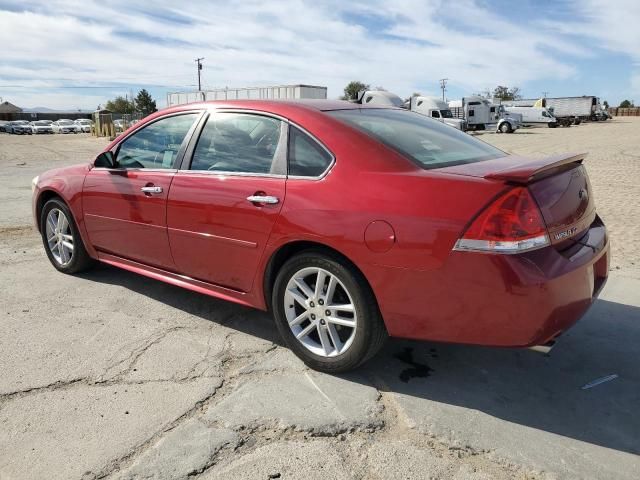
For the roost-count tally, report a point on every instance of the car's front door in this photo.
(223, 205)
(125, 207)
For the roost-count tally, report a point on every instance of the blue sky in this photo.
(70, 54)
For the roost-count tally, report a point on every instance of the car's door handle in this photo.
(151, 189)
(263, 199)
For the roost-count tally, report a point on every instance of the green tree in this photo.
(120, 104)
(626, 104)
(144, 103)
(506, 93)
(605, 104)
(352, 89)
(416, 94)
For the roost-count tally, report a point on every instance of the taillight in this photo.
(511, 224)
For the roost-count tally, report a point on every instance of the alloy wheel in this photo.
(320, 312)
(59, 237)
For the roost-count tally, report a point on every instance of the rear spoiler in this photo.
(530, 170)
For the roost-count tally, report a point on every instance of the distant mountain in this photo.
(54, 110)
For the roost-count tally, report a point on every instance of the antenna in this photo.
(443, 86)
(544, 94)
(199, 63)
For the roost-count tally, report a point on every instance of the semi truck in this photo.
(437, 109)
(278, 92)
(481, 114)
(534, 116)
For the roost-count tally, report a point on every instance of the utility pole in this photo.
(199, 63)
(443, 86)
(544, 94)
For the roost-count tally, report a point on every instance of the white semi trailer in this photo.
(278, 92)
(578, 108)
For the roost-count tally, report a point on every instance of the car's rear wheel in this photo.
(326, 312)
(61, 238)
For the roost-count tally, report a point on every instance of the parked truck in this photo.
(534, 116)
(567, 110)
(278, 92)
(437, 109)
(481, 114)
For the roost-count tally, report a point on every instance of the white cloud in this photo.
(407, 45)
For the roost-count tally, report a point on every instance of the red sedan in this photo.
(348, 222)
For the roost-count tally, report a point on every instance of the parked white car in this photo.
(41, 126)
(65, 126)
(18, 127)
(85, 124)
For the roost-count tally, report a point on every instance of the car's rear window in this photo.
(428, 143)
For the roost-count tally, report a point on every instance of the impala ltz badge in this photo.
(565, 233)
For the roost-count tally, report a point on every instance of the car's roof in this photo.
(276, 105)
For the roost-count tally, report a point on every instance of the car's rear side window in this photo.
(427, 142)
(238, 142)
(307, 158)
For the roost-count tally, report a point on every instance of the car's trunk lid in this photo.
(559, 184)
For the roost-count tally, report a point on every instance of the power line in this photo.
(443, 86)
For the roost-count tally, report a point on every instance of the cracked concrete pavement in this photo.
(113, 375)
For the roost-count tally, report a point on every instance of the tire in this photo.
(358, 343)
(506, 127)
(79, 260)
(552, 124)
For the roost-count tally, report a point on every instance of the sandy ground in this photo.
(613, 164)
(112, 375)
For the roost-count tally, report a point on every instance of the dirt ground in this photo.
(112, 375)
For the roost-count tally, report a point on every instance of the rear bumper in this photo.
(498, 300)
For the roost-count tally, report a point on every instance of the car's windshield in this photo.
(41, 123)
(83, 121)
(429, 143)
(65, 122)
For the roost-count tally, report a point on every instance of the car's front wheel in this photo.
(61, 238)
(326, 312)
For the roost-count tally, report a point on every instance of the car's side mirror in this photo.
(105, 160)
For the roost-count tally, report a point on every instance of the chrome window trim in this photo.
(137, 169)
(233, 174)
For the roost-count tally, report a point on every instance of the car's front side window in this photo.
(239, 143)
(156, 145)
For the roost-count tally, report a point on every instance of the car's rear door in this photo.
(125, 207)
(223, 204)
